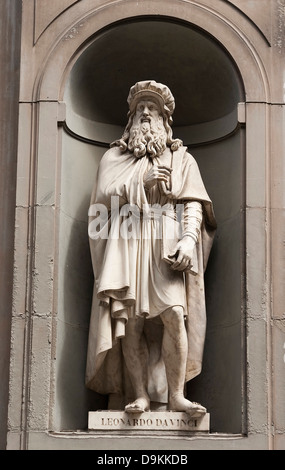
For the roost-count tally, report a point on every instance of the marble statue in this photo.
(151, 228)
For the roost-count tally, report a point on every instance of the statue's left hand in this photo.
(183, 253)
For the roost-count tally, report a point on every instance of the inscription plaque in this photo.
(147, 421)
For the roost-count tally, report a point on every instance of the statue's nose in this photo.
(146, 111)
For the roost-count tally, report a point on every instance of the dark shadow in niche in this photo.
(74, 400)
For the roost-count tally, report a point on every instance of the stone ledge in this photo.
(148, 421)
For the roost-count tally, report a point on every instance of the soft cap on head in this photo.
(152, 89)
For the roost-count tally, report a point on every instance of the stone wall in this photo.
(10, 15)
(54, 164)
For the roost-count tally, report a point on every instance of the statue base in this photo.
(147, 421)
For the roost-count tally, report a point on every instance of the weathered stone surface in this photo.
(10, 30)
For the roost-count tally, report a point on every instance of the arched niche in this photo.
(203, 79)
(207, 86)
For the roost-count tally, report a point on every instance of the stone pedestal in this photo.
(148, 421)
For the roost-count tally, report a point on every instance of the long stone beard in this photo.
(148, 138)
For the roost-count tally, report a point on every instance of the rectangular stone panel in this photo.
(148, 421)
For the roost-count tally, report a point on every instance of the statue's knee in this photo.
(178, 311)
(174, 316)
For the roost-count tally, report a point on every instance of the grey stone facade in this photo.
(62, 65)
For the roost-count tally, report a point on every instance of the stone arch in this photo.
(248, 55)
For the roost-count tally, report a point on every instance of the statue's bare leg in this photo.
(136, 358)
(174, 349)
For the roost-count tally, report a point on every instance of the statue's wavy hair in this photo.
(174, 144)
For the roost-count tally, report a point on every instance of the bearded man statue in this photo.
(148, 318)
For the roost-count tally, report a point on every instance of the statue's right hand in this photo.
(155, 174)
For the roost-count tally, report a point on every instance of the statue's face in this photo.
(147, 111)
(147, 133)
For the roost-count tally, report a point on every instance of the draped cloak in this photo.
(117, 273)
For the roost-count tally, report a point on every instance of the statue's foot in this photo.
(138, 406)
(178, 403)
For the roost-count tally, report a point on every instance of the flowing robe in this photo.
(132, 280)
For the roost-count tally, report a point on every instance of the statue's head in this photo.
(152, 91)
(148, 131)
